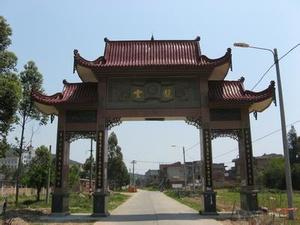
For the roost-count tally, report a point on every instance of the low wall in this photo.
(5, 191)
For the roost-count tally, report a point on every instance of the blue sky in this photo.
(48, 31)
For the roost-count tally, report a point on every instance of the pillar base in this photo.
(100, 204)
(209, 202)
(60, 204)
(249, 200)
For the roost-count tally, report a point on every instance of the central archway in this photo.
(154, 80)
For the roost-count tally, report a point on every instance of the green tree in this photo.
(31, 80)
(274, 176)
(296, 176)
(85, 173)
(10, 91)
(37, 173)
(74, 176)
(116, 170)
(293, 147)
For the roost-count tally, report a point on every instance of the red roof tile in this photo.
(72, 93)
(219, 91)
(152, 53)
(234, 92)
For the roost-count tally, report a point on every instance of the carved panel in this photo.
(248, 156)
(99, 159)
(59, 158)
(111, 122)
(231, 133)
(207, 159)
(76, 135)
(153, 93)
(81, 116)
(225, 114)
(194, 121)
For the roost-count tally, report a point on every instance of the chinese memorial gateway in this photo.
(153, 80)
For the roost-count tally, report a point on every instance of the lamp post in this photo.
(183, 152)
(283, 124)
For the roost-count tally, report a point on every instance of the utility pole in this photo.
(288, 177)
(91, 166)
(193, 167)
(49, 176)
(133, 181)
(183, 152)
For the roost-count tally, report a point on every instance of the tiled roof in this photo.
(72, 93)
(234, 92)
(149, 53)
(219, 92)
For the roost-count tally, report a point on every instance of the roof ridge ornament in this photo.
(152, 37)
(242, 79)
(272, 85)
(197, 38)
(106, 39)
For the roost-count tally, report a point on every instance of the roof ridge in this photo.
(65, 82)
(163, 40)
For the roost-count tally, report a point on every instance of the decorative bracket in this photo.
(111, 122)
(75, 135)
(194, 121)
(231, 133)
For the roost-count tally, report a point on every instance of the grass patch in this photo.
(151, 188)
(78, 202)
(226, 198)
(192, 202)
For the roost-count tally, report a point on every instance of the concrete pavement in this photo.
(149, 207)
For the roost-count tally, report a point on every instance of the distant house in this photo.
(175, 173)
(10, 160)
(152, 177)
(172, 173)
(28, 155)
(193, 173)
(259, 164)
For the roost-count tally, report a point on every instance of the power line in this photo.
(193, 146)
(265, 73)
(154, 162)
(257, 139)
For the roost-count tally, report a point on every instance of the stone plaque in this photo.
(153, 93)
(225, 114)
(81, 116)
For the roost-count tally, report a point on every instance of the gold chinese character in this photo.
(167, 93)
(138, 93)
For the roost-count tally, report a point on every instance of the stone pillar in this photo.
(60, 197)
(209, 196)
(100, 203)
(248, 195)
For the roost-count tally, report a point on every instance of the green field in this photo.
(31, 210)
(229, 199)
(79, 202)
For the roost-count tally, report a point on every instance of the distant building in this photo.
(218, 174)
(259, 164)
(152, 177)
(174, 173)
(171, 173)
(84, 185)
(193, 173)
(10, 160)
(28, 155)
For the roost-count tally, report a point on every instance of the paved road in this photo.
(148, 207)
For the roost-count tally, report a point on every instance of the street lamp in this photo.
(183, 152)
(283, 124)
